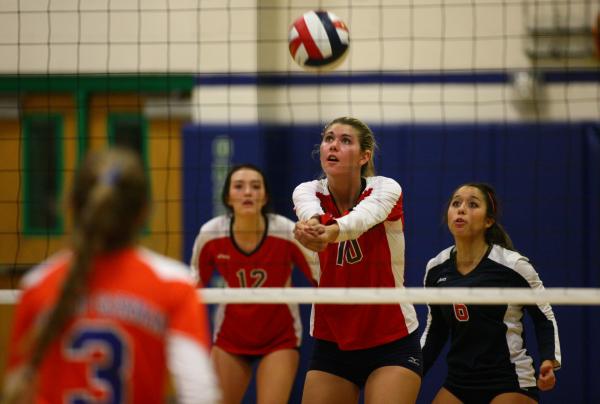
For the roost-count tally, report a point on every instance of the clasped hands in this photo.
(314, 235)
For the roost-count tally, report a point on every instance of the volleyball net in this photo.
(499, 91)
(300, 295)
(509, 86)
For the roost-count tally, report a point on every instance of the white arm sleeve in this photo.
(372, 210)
(306, 203)
(192, 371)
(526, 270)
(198, 244)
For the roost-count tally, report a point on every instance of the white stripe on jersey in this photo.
(295, 312)
(442, 257)
(40, 271)
(219, 318)
(164, 267)
(521, 265)
(216, 227)
(395, 237)
(516, 347)
(427, 327)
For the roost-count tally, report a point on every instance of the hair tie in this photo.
(111, 176)
(492, 202)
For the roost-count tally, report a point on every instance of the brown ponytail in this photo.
(109, 199)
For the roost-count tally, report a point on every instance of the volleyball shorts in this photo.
(485, 396)
(357, 365)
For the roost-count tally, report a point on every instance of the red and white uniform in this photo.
(141, 314)
(253, 329)
(369, 252)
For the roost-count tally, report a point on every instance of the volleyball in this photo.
(319, 40)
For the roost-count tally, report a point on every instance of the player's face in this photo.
(340, 151)
(467, 214)
(247, 192)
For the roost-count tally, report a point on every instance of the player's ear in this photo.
(365, 157)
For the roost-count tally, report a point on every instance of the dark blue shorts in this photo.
(484, 396)
(357, 365)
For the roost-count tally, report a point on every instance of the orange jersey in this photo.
(140, 315)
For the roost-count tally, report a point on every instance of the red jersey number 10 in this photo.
(349, 251)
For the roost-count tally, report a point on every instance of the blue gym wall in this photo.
(547, 176)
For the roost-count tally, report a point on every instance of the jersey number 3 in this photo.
(105, 353)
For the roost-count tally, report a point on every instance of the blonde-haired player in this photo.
(356, 222)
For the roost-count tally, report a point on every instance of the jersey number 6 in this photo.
(461, 312)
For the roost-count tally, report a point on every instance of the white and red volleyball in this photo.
(318, 40)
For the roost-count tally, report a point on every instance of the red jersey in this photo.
(253, 329)
(369, 252)
(140, 315)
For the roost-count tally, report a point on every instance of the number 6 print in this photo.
(461, 312)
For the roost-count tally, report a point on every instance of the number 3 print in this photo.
(105, 352)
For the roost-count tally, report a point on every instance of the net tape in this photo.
(557, 296)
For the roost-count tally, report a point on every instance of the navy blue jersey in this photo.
(486, 341)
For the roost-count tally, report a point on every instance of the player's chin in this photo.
(336, 169)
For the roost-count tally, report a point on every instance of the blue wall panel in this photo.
(546, 175)
(199, 161)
